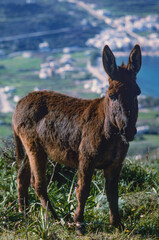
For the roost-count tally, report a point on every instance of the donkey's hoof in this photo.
(121, 227)
(80, 228)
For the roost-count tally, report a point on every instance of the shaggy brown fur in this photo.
(84, 134)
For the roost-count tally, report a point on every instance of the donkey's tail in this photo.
(19, 148)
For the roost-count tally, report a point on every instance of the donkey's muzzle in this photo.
(129, 133)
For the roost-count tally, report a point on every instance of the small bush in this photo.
(135, 177)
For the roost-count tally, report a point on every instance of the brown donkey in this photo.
(83, 134)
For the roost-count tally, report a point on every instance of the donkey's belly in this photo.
(66, 157)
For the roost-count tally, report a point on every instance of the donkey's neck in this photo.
(110, 128)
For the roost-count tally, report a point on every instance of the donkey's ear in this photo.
(109, 62)
(134, 63)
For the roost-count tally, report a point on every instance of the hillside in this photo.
(60, 23)
(42, 17)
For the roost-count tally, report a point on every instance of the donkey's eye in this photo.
(113, 96)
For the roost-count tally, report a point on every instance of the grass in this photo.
(5, 130)
(20, 73)
(152, 138)
(151, 114)
(144, 144)
(20, 63)
(5, 124)
(138, 203)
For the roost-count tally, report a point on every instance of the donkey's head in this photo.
(123, 91)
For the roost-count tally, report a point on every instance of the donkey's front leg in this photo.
(111, 187)
(85, 172)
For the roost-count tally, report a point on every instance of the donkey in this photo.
(79, 133)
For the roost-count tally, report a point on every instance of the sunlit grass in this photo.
(151, 114)
(20, 63)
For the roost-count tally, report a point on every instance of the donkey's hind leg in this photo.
(38, 161)
(23, 181)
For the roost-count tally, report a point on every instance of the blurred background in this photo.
(57, 45)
